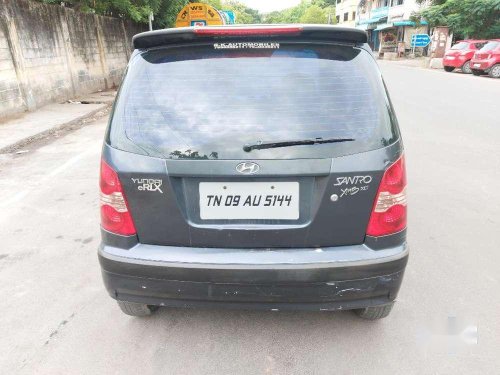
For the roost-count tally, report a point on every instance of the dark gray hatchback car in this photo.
(253, 167)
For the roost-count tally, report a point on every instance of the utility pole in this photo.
(151, 17)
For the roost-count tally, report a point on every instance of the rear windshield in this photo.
(490, 46)
(207, 102)
(461, 45)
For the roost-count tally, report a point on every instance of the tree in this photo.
(243, 13)
(469, 18)
(136, 10)
(431, 2)
(217, 4)
(314, 14)
(307, 11)
(165, 11)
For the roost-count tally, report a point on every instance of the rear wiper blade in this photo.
(300, 142)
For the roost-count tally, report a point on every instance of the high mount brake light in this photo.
(242, 31)
(313, 33)
(389, 213)
(115, 216)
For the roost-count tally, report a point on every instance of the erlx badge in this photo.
(148, 184)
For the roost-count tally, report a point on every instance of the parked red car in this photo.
(487, 60)
(460, 54)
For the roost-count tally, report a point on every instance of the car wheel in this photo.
(495, 71)
(449, 68)
(466, 68)
(136, 309)
(375, 312)
(477, 72)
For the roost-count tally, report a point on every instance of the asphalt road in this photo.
(56, 318)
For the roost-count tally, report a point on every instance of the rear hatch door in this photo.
(185, 114)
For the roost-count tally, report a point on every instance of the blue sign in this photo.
(420, 40)
(229, 16)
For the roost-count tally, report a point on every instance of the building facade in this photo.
(346, 12)
(388, 23)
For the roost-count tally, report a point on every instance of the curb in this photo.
(79, 121)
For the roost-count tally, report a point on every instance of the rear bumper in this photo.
(345, 277)
(455, 62)
(484, 65)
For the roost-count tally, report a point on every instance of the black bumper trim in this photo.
(329, 279)
(251, 275)
(347, 294)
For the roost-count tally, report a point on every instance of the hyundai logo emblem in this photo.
(248, 168)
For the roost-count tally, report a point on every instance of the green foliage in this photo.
(431, 2)
(314, 14)
(243, 13)
(469, 18)
(307, 11)
(136, 10)
(217, 4)
(165, 11)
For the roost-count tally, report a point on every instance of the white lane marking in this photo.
(23, 194)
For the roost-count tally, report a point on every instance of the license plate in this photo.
(249, 200)
(477, 65)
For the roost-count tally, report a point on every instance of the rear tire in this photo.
(136, 309)
(375, 312)
(477, 72)
(449, 69)
(495, 71)
(466, 68)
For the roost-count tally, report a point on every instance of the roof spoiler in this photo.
(180, 35)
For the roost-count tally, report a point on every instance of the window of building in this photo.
(353, 16)
(346, 16)
(338, 18)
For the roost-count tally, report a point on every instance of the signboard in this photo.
(388, 40)
(379, 12)
(440, 41)
(230, 17)
(420, 40)
(198, 14)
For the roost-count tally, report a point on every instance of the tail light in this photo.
(389, 212)
(241, 31)
(115, 216)
(481, 56)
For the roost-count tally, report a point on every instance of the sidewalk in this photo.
(19, 131)
(419, 62)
